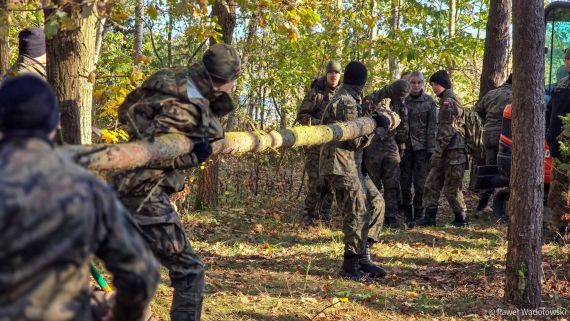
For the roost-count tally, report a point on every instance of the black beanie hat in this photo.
(355, 73)
(442, 78)
(28, 107)
(32, 42)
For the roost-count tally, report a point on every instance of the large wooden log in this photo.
(138, 154)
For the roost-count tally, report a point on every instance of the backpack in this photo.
(473, 132)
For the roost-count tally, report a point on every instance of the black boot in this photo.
(428, 220)
(483, 202)
(408, 214)
(310, 219)
(460, 219)
(418, 213)
(351, 269)
(391, 222)
(368, 266)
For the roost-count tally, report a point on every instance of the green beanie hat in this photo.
(401, 88)
(334, 65)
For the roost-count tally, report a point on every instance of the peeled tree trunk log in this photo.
(138, 154)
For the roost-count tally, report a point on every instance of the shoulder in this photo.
(563, 83)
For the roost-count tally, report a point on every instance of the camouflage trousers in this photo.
(491, 145)
(557, 201)
(414, 168)
(168, 241)
(382, 161)
(449, 177)
(362, 208)
(101, 303)
(319, 194)
(375, 205)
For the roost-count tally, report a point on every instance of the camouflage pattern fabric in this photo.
(414, 169)
(340, 164)
(319, 194)
(54, 216)
(311, 111)
(446, 173)
(422, 122)
(558, 201)
(340, 158)
(182, 101)
(382, 162)
(351, 201)
(492, 106)
(378, 98)
(315, 102)
(451, 127)
(376, 207)
(25, 65)
(491, 144)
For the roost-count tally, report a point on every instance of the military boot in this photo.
(408, 214)
(483, 202)
(310, 219)
(460, 219)
(391, 222)
(428, 220)
(326, 219)
(418, 213)
(368, 266)
(351, 269)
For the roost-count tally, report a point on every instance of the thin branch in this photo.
(149, 25)
(196, 51)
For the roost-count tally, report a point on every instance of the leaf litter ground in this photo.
(260, 265)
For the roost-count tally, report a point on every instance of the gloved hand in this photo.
(428, 155)
(381, 120)
(202, 150)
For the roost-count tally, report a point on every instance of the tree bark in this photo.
(523, 267)
(394, 26)
(207, 193)
(87, 47)
(4, 43)
(139, 29)
(496, 41)
(452, 15)
(138, 154)
(63, 72)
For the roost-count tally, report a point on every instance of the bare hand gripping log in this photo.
(141, 153)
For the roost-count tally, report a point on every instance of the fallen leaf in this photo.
(396, 270)
(244, 299)
(306, 299)
(412, 295)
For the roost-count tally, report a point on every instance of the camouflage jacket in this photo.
(341, 158)
(377, 97)
(422, 122)
(490, 107)
(315, 101)
(54, 216)
(25, 65)
(451, 127)
(178, 100)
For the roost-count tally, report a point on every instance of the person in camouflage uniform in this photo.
(449, 159)
(319, 196)
(420, 145)
(188, 101)
(559, 105)
(31, 54)
(382, 157)
(340, 164)
(54, 216)
(490, 109)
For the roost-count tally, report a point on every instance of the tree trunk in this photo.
(496, 42)
(4, 44)
(87, 46)
(63, 73)
(138, 154)
(494, 59)
(207, 193)
(394, 26)
(523, 267)
(139, 29)
(169, 34)
(452, 15)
